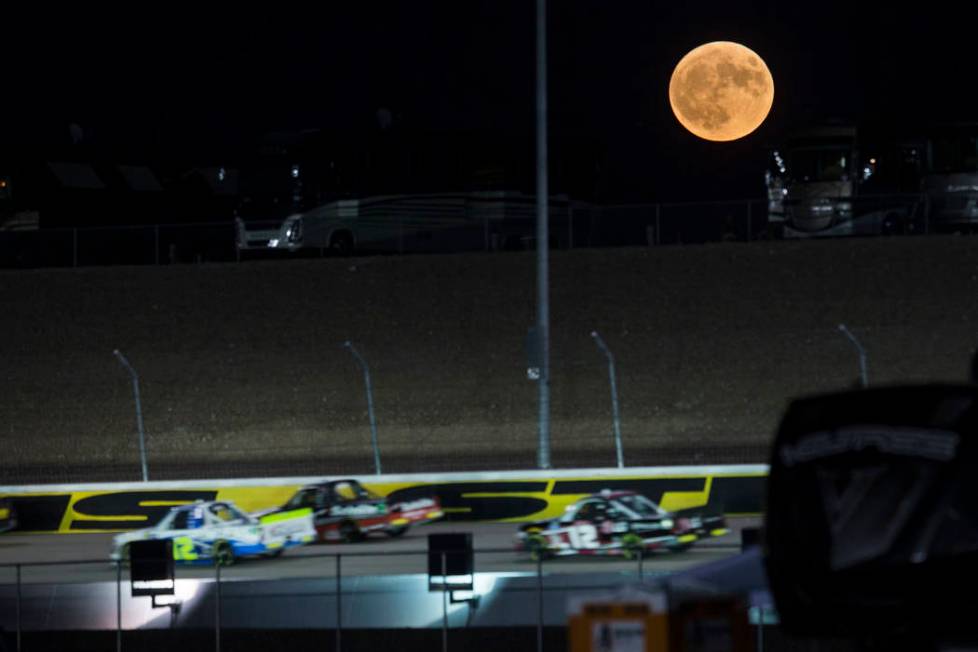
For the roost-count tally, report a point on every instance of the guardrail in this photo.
(735, 490)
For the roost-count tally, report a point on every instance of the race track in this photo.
(375, 557)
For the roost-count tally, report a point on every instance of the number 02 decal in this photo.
(184, 549)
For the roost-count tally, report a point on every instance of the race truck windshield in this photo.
(351, 491)
(641, 506)
(828, 164)
(181, 519)
(227, 513)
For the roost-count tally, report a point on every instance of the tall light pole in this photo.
(139, 411)
(863, 374)
(543, 243)
(370, 403)
(614, 397)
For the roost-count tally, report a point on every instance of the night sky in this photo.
(209, 84)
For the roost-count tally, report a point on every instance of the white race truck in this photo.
(218, 532)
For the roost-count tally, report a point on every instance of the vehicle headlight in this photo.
(294, 231)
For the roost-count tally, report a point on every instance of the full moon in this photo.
(721, 91)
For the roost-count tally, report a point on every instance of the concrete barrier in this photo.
(505, 496)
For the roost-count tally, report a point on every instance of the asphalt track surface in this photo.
(85, 557)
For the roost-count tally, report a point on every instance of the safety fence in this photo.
(411, 227)
(338, 594)
(572, 226)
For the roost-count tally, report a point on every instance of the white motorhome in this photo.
(435, 222)
(950, 184)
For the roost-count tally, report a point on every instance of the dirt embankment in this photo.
(242, 369)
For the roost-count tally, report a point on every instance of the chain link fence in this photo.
(572, 225)
(155, 244)
(669, 223)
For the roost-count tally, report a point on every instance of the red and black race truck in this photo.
(345, 510)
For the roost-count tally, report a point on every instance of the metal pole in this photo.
(444, 605)
(217, 609)
(139, 412)
(760, 628)
(370, 403)
(74, 247)
(926, 214)
(543, 242)
(339, 606)
(658, 214)
(863, 374)
(614, 397)
(18, 608)
(156, 243)
(641, 557)
(748, 220)
(118, 605)
(570, 226)
(540, 604)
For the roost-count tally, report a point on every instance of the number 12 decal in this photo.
(583, 536)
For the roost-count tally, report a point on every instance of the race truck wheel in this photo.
(341, 243)
(536, 544)
(632, 546)
(223, 555)
(893, 224)
(350, 533)
(397, 531)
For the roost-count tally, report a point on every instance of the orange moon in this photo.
(721, 91)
